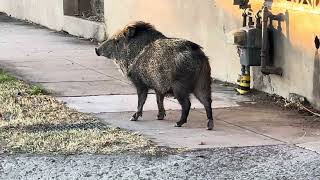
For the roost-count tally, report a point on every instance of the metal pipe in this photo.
(264, 45)
(251, 23)
(243, 69)
(265, 69)
(248, 70)
(244, 22)
(259, 17)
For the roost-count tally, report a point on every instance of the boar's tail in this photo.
(193, 69)
(202, 89)
(204, 80)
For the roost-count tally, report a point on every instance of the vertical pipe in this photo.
(258, 17)
(78, 6)
(243, 69)
(248, 70)
(264, 45)
(244, 22)
(251, 23)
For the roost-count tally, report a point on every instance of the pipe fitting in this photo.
(258, 19)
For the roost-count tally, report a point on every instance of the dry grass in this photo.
(32, 122)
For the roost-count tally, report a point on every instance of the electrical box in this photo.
(249, 40)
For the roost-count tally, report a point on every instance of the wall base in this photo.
(84, 28)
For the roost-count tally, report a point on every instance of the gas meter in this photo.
(248, 41)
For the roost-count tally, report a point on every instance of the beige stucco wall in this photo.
(206, 22)
(200, 21)
(295, 52)
(48, 13)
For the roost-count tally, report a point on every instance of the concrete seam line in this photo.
(75, 96)
(248, 129)
(98, 71)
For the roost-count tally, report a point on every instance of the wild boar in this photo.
(167, 65)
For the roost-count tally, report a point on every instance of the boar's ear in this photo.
(131, 32)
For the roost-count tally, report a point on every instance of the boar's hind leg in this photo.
(162, 111)
(204, 96)
(142, 96)
(184, 100)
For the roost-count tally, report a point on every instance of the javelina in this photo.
(167, 65)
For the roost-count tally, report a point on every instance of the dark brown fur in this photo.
(167, 65)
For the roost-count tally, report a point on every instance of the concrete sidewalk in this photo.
(69, 68)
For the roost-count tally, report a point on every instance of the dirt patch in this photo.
(302, 107)
(295, 104)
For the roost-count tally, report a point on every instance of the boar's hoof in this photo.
(179, 124)
(210, 124)
(161, 116)
(135, 117)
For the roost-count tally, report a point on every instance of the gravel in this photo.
(264, 162)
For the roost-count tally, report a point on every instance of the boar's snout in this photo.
(97, 52)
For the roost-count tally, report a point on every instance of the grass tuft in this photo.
(32, 122)
(4, 77)
(37, 90)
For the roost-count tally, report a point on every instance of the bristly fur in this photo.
(139, 26)
(166, 65)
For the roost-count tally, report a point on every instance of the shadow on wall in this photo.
(278, 41)
(316, 73)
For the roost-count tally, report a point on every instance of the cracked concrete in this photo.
(69, 68)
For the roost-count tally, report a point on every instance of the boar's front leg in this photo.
(162, 111)
(142, 96)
